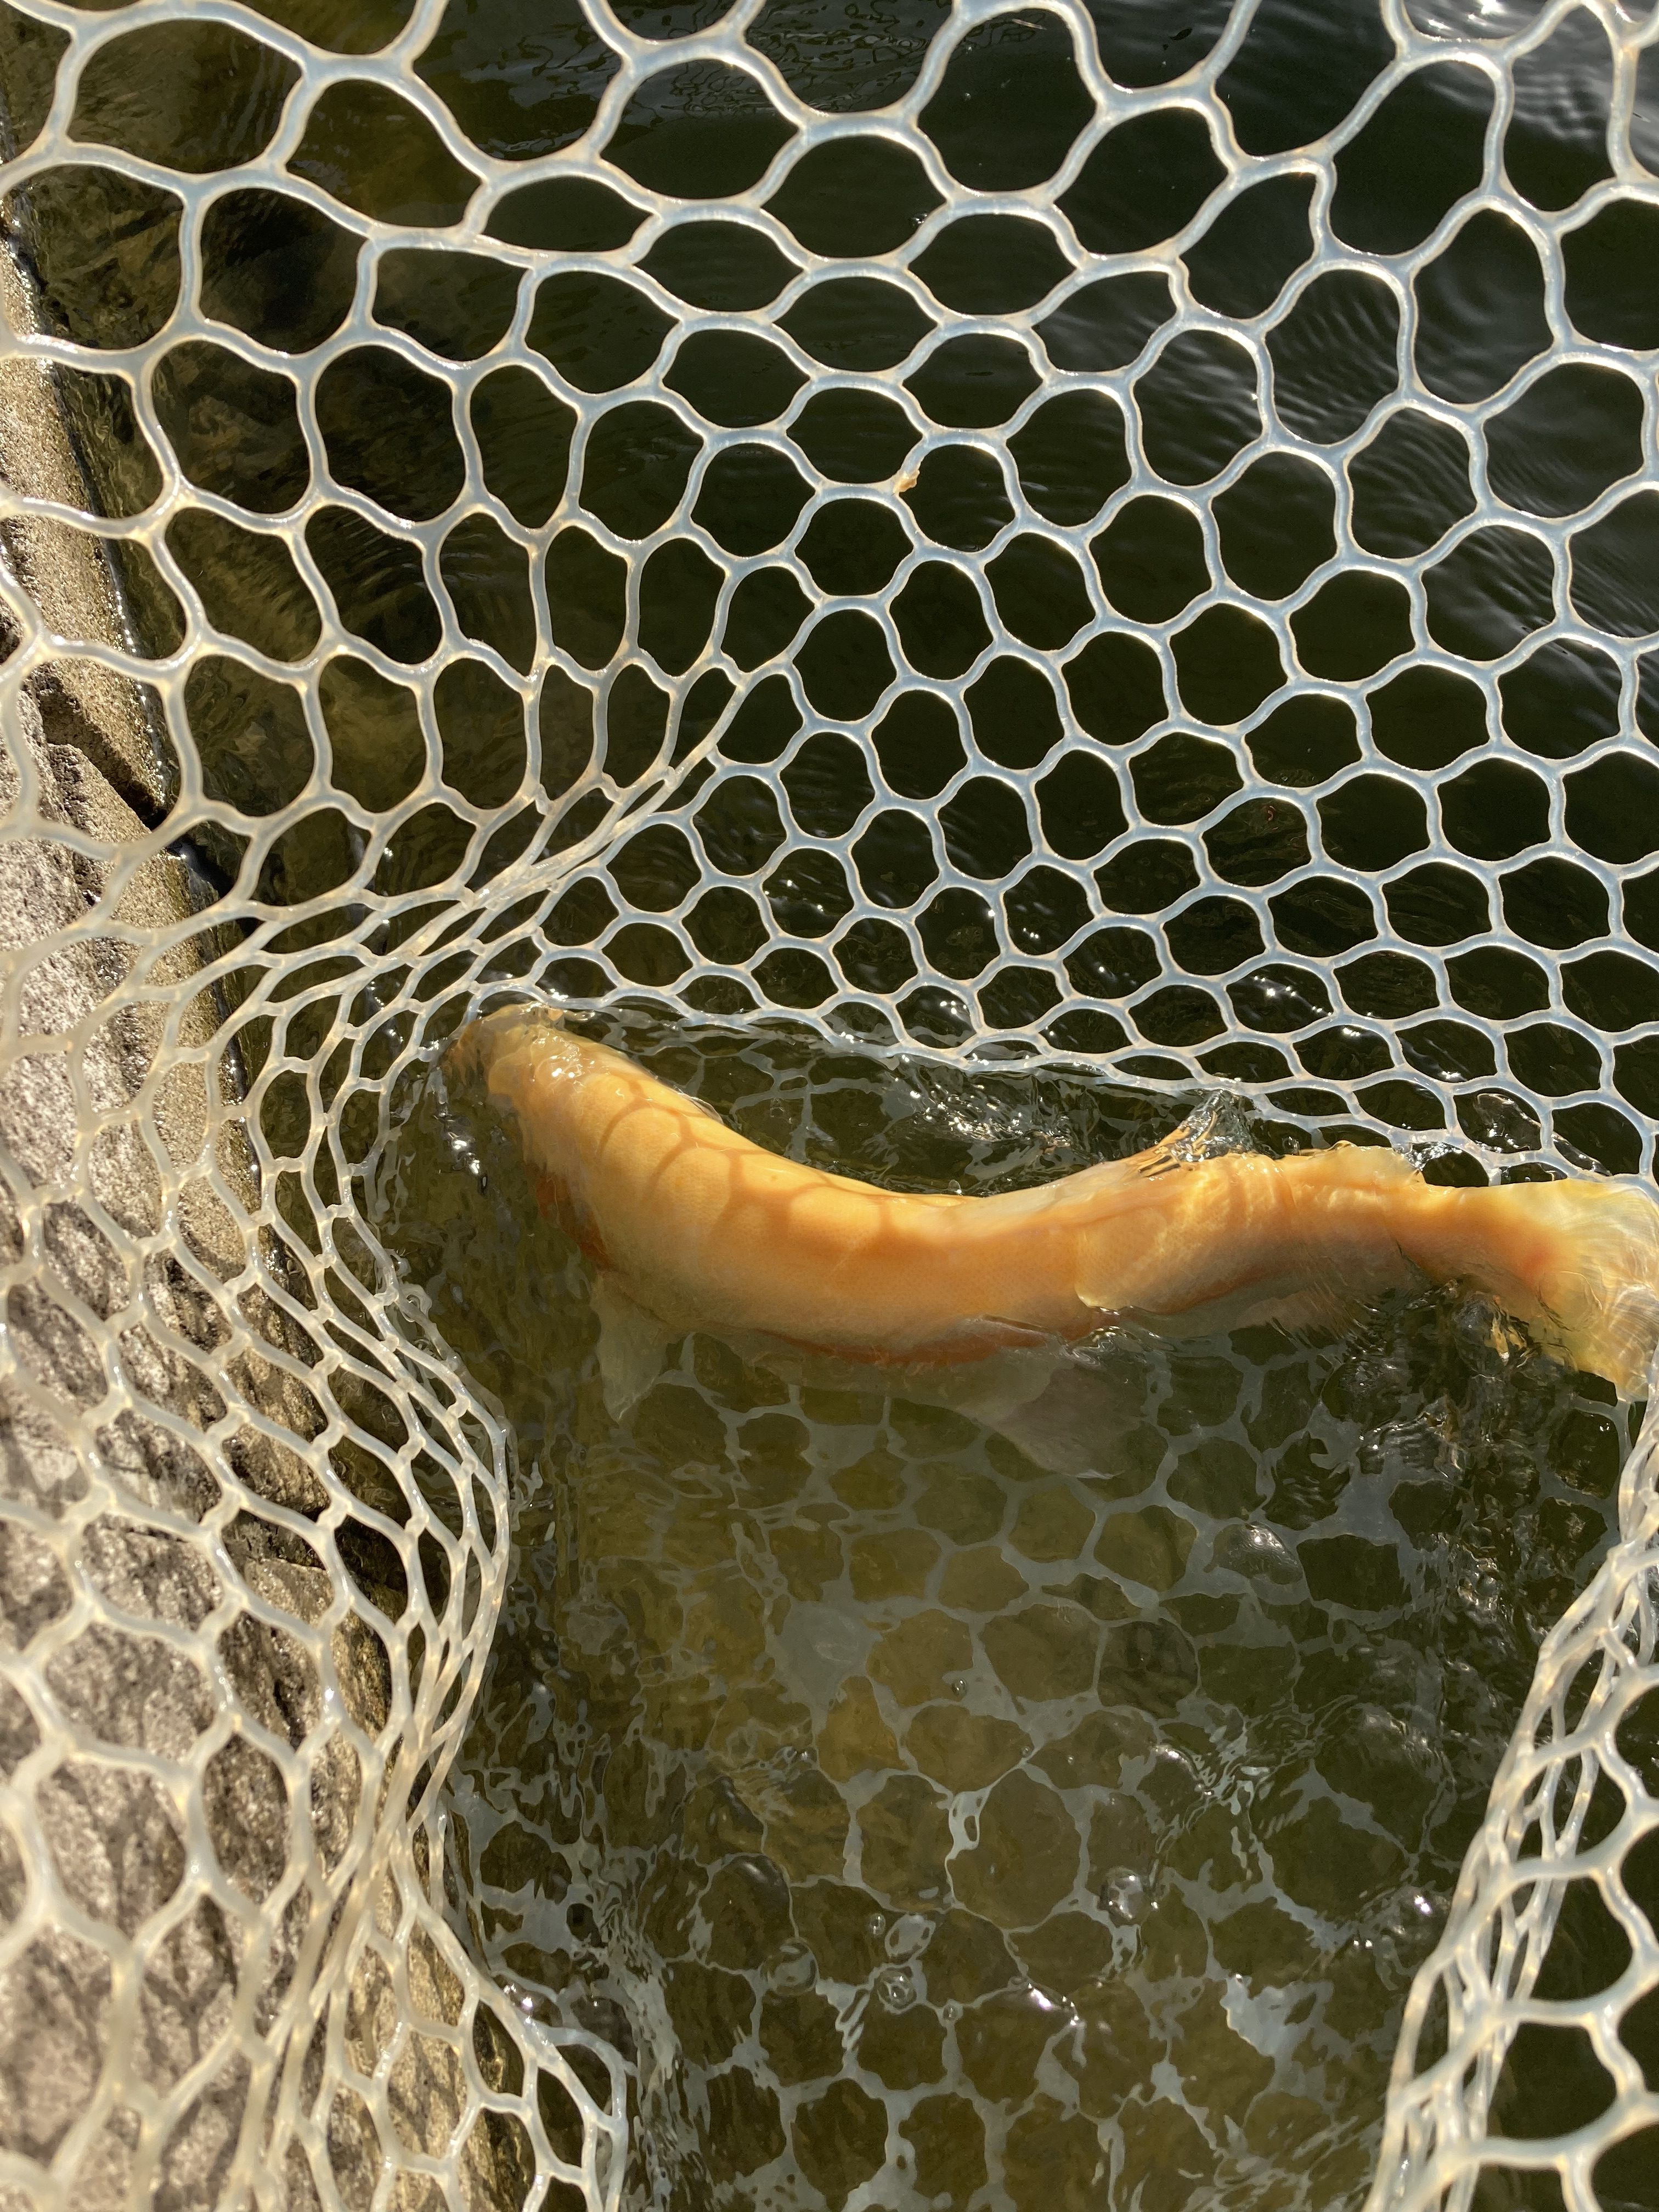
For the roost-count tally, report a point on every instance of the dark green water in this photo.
(919, 1815)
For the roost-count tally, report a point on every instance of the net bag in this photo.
(1127, 532)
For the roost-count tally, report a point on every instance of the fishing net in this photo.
(1123, 533)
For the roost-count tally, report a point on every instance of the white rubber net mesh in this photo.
(1125, 533)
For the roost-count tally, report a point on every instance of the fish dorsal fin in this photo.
(631, 1345)
(1218, 1124)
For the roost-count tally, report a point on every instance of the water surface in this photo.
(927, 1824)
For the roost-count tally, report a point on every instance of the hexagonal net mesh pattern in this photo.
(1126, 531)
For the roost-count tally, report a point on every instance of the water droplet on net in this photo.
(1128, 1898)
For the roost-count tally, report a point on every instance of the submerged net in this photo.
(1125, 533)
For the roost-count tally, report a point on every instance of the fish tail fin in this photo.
(1600, 1289)
(1576, 1260)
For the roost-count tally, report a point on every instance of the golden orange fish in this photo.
(691, 1226)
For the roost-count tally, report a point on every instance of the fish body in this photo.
(693, 1226)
